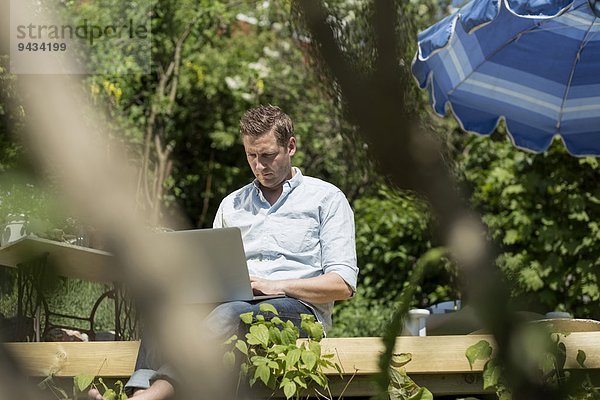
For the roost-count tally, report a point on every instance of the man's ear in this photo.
(292, 146)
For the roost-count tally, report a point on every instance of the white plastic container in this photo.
(416, 322)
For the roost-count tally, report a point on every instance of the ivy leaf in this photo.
(315, 347)
(309, 359)
(400, 359)
(242, 347)
(229, 360)
(292, 358)
(316, 331)
(230, 340)
(479, 351)
(581, 356)
(319, 379)
(275, 335)
(398, 377)
(289, 389)
(247, 317)
(261, 333)
(244, 369)
(83, 381)
(491, 375)
(263, 373)
(422, 394)
(288, 336)
(267, 307)
(300, 382)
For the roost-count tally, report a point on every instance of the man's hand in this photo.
(319, 289)
(261, 286)
(94, 394)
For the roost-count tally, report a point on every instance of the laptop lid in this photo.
(211, 263)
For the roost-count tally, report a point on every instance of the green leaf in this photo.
(491, 375)
(109, 395)
(320, 379)
(300, 381)
(261, 333)
(289, 336)
(247, 317)
(267, 307)
(479, 351)
(230, 340)
(422, 394)
(581, 356)
(292, 358)
(400, 359)
(244, 369)
(398, 377)
(274, 335)
(263, 373)
(242, 347)
(229, 360)
(289, 389)
(309, 359)
(315, 347)
(277, 349)
(316, 331)
(83, 381)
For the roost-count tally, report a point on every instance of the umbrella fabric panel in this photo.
(541, 74)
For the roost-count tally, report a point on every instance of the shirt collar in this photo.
(290, 183)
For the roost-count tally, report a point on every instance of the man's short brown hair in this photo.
(264, 119)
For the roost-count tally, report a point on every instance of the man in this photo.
(298, 233)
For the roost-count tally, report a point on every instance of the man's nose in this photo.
(259, 165)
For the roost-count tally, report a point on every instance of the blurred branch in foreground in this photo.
(375, 101)
(69, 145)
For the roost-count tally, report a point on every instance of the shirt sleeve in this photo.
(218, 221)
(338, 244)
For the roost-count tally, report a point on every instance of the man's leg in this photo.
(223, 322)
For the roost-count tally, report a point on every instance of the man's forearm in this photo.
(320, 289)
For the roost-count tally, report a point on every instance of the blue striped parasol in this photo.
(534, 63)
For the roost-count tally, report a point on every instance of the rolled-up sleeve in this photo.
(337, 237)
(218, 221)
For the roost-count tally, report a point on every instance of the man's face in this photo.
(270, 162)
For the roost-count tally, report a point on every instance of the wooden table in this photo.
(35, 258)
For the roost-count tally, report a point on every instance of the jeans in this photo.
(223, 322)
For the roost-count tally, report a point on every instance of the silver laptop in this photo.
(211, 263)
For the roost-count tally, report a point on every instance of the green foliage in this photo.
(393, 229)
(541, 358)
(82, 383)
(270, 354)
(543, 211)
(401, 386)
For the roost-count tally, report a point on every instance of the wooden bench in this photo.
(438, 362)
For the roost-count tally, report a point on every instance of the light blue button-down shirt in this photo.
(308, 232)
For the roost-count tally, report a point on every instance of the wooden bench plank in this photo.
(430, 355)
(110, 359)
